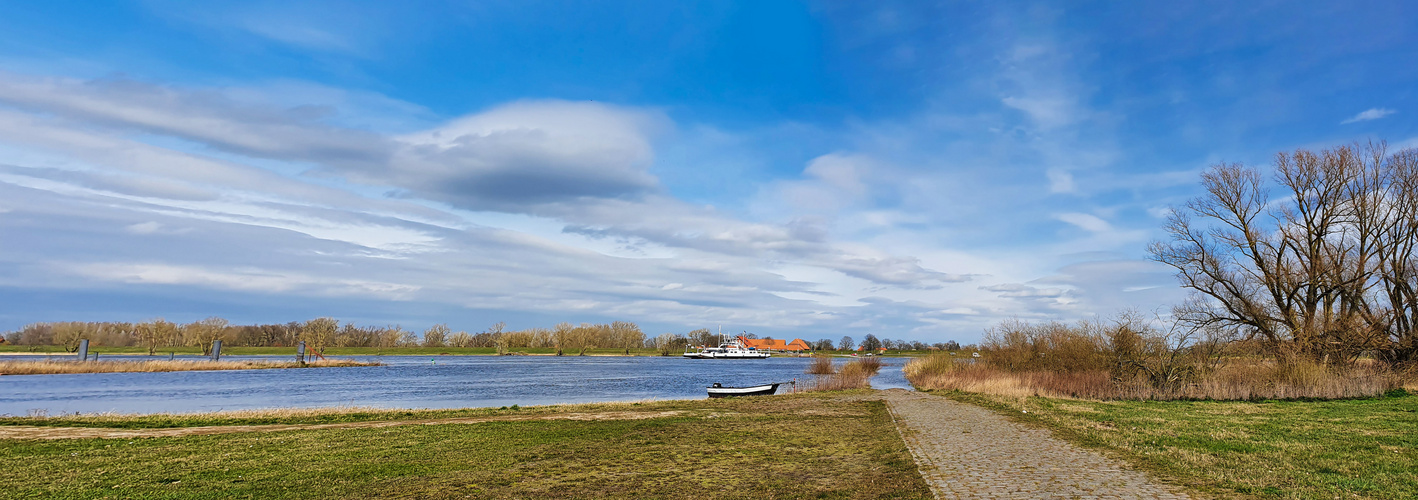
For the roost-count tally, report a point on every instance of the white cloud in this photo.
(149, 227)
(1369, 114)
(1060, 181)
(518, 156)
(1086, 222)
(1046, 111)
(249, 279)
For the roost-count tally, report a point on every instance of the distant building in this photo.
(797, 345)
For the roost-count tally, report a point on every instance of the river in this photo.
(404, 382)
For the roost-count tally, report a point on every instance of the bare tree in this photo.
(436, 336)
(846, 344)
(1324, 272)
(317, 333)
(156, 333)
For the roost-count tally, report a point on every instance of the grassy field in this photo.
(1357, 448)
(799, 446)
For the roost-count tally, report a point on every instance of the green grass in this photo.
(1357, 448)
(804, 446)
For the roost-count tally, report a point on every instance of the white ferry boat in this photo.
(732, 349)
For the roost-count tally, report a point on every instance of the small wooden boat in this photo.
(719, 391)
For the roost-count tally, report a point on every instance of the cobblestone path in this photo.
(965, 451)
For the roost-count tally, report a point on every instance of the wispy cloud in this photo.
(1087, 222)
(1369, 114)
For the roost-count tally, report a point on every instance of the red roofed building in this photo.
(796, 345)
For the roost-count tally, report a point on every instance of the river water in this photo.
(404, 382)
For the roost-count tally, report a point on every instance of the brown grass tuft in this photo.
(821, 365)
(837, 382)
(853, 375)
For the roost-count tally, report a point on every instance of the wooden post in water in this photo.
(300, 353)
(216, 350)
(83, 349)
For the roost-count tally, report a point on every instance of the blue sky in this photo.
(910, 169)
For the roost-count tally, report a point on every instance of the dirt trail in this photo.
(965, 451)
(38, 432)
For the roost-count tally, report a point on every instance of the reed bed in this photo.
(26, 367)
(1237, 380)
(821, 365)
(865, 367)
(853, 375)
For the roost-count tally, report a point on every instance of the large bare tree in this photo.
(1325, 271)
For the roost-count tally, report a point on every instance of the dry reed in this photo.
(1238, 380)
(853, 375)
(26, 367)
(836, 382)
(821, 365)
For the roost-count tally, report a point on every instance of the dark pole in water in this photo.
(216, 350)
(83, 349)
(300, 353)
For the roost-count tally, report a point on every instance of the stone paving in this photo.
(965, 451)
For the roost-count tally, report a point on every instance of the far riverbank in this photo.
(54, 350)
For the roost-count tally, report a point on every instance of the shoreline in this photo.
(69, 367)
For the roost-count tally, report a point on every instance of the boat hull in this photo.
(728, 355)
(718, 391)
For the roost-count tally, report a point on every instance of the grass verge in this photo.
(27, 367)
(1355, 448)
(797, 446)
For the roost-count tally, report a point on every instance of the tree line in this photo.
(320, 333)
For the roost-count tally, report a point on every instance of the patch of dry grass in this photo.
(821, 365)
(1236, 380)
(853, 375)
(944, 373)
(864, 367)
(26, 367)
